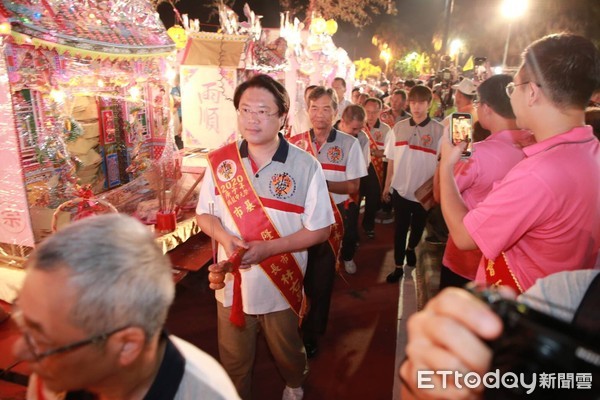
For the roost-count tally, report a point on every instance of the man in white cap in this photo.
(464, 96)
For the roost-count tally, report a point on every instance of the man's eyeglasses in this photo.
(510, 88)
(38, 355)
(261, 115)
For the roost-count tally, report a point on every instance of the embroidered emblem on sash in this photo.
(226, 170)
(303, 144)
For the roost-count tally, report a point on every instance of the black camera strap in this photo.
(587, 316)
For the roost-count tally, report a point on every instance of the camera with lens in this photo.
(480, 70)
(479, 61)
(538, 345)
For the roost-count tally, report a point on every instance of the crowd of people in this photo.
(522, 211)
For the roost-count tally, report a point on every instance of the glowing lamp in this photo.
(437, 43)
(58, 95)
(135, 93)
(318, 26)
(331, 27)
(170, 75)
(178, 35)
(5, 28)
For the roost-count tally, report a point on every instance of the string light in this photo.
(135, 93)
(170, 75)
(57, 95)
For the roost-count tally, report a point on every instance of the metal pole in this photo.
(506, 46)
(449, 7)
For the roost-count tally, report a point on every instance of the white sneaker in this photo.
(293, 393)
(350, 267)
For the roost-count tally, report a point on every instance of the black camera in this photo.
(479, 61)
(563, 358)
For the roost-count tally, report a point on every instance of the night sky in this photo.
(196, 9)
(356, 42)
(477, 22)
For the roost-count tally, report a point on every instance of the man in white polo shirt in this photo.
(267, 197)
(343, 164)
(412, 159)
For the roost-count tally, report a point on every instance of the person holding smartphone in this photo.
(489, 162)
(544, 216)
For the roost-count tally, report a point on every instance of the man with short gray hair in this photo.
(91, 313)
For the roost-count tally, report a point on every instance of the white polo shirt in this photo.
(341, 158)
(413, 148)
(290, 209)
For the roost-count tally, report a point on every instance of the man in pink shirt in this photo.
(544, 216)
(490, 162)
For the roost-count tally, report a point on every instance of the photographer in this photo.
(450, 333)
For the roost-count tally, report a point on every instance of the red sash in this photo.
(303, 141)
(388, 117)
(498, 273)
(254, 223)
(377, 162)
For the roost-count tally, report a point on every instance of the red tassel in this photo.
(237, 309)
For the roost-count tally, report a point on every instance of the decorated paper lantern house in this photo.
(84, 100)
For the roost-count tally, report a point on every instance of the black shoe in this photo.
(411, 258)
(395, 276)
(370, 234)
(311, 349)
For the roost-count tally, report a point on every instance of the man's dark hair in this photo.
(321, 91)
(338, 79)
(565, 66)
(410, 83)
(309, 87)
(420, 93)
(354, 112)
(356, 89)
(401, 92)
(592, 117)
(376, 101)
(479, 132)
(282, 99)
(492, 92)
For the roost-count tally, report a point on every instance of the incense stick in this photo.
(190, 191)
(211, 208)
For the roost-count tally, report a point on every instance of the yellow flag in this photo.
(469, 65)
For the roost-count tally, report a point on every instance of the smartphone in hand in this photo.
(461, 130)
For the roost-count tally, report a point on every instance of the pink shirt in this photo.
(491, 160)
(545, 214)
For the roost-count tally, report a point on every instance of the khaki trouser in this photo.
(237, 347)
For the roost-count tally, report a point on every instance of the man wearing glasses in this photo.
(544, 217)
(91, 313)
(265, 196)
